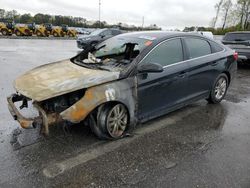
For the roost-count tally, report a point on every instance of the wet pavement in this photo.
(201, 145)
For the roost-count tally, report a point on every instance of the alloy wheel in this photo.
(220, 88)
(117, 121)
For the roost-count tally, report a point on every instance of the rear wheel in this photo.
(219, 89)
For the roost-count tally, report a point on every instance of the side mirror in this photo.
(149, 67)
(102, 35)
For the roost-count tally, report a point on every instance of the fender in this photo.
(123, 91)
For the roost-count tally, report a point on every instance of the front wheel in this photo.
(5, 32)
(112, 121)
(219, 89)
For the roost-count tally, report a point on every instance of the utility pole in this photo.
(100, 13)
(142, 23)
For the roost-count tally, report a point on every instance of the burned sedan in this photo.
(127, 79)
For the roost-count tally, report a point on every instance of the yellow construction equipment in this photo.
(56, 31)
(7, 28)
(39, 30)
(68, 31)
(22, 30)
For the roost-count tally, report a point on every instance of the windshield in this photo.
(114, 53)
(96, 32)
(237, 36)
(117, 45)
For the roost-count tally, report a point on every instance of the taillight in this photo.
(236, 56)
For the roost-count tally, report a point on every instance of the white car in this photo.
(208, 34)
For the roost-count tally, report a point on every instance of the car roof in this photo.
(239, 32)
(158, 35)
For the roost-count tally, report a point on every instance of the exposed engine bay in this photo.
(116, 60)
(61, 103)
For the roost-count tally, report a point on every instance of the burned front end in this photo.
(48, 110)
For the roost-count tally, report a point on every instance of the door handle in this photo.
(214, 63)
(182, 74)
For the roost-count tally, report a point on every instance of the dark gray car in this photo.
(96, 37)
(240, 42)
(127, 79)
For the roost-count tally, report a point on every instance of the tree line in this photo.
(230, 16)
(14, 16)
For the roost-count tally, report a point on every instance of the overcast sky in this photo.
(169, 14)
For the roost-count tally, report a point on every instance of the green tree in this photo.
(218, 8)
(26, 18)
(2, 13)
(226, 7)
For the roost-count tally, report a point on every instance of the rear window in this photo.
(216, 47)
(197, 47)
(237, 36)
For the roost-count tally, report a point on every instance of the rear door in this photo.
(159, 91)
(204, 63)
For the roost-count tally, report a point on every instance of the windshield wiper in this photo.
(91, 65)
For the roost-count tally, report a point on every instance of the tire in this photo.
(219, 89)
(62, 34)
(112, 122)
(5, 32)
(55, 34)
(18, 33)
(38, 33)
(91, 121)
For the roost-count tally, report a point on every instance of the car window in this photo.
(115, 32)
(237, 36)
(215, 47)
(197, 47)
(106, 33)
(167, 53)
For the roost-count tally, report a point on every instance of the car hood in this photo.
(59, 78)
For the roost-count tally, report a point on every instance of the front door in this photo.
(160, 91)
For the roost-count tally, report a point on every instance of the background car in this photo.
(208, 34)
(96, 37)
(82, 31)
(240, 42)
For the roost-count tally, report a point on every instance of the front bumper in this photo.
(44, 119)
(25, 123)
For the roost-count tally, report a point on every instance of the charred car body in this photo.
(124, 80)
